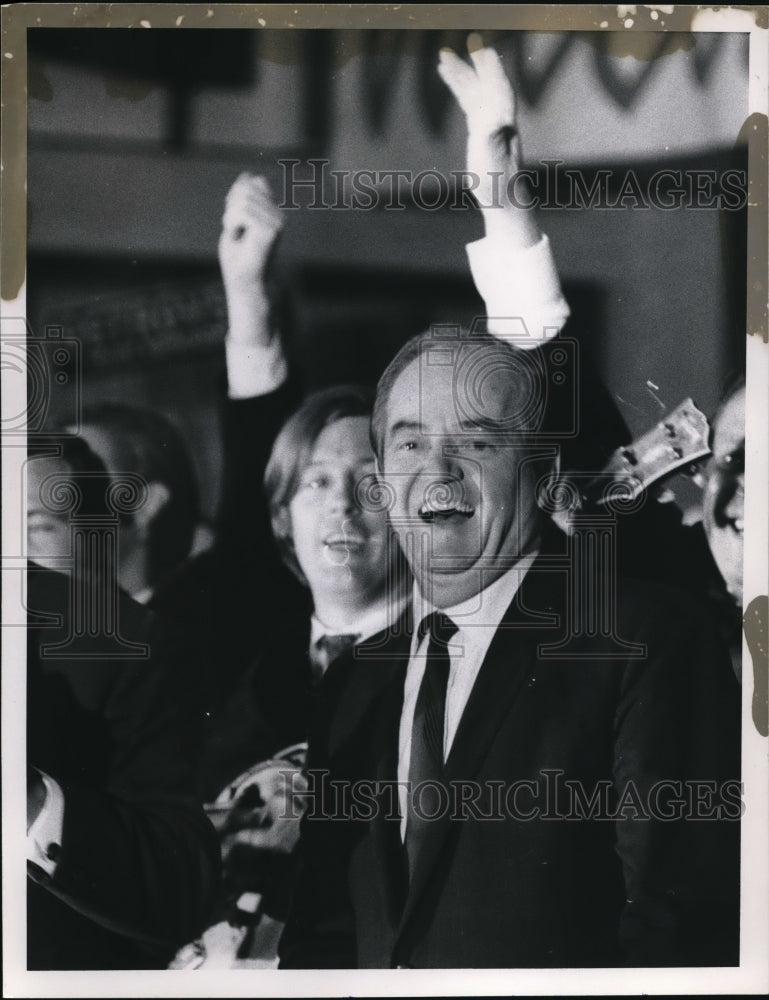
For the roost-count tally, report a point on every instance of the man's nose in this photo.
(343, 496)
(734, 509)
(447, 462)
(730, 504)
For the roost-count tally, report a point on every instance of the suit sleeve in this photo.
(677, 770)
(245, 554)
(249, 428)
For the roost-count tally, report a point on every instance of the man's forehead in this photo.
(42, 466)
(346, 438)
(730, 426)
(467, 385)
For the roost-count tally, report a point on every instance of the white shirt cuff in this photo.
(524, 302)
(44, 836)
(253, 369)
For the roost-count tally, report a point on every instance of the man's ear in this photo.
(281, 523)
(551, 474)
(557, 496)
(158, 496)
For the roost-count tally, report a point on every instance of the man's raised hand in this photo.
(250, 225)
(485, 95)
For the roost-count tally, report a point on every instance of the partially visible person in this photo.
(329, 576)
(196, 594)
(723, 502)
(157, 538)
(723, 519)
(123, 865)
(54, 474)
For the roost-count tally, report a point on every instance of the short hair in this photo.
(412, 349)
(149, 445)
(292, 451)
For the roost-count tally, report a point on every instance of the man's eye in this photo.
(734, 461)
(42, 526)
(315, 483)
(409, 445)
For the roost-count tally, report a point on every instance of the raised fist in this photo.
(250, 225)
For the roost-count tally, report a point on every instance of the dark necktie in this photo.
(427, 734)
(329, 648)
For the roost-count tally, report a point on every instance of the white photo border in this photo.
(752, 976)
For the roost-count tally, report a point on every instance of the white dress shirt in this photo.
(477, 621)
(520, 290)
(372, 621)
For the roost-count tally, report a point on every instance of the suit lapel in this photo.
(386, 826)
(385, 833)
(512, 656)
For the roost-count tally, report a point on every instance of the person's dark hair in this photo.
(149, 445)
(292, 451)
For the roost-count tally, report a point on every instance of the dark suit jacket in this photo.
(270, 705)
(218, 601)
(531, 887)
(139, 862)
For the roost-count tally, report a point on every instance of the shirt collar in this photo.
(366, 625)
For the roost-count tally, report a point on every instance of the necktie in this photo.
(426, 766)
(329, 648)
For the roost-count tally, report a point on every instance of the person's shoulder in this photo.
(678, 633)
(52, 606)
(191, 581)
(363, 673)
(646, 602)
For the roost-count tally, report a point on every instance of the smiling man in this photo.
(337, 544)
(451, 469)
(490, 785)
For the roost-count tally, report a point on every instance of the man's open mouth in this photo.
(430, 513)
(351, 543)
(443, 501)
